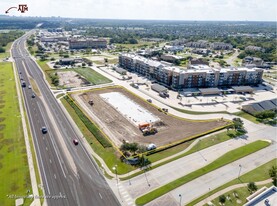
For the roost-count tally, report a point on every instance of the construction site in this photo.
(123, 116)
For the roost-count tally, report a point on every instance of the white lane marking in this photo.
(100, 195)
(89, 158)
(50, 161)
(38, 150)
(51, 138)
(46, 148)
(55, 176)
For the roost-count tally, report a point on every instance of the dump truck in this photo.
(143, 125)
(147, 129)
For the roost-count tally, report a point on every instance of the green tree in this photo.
(144, 162)
(133, 41)
(222, 199)
(252, 186)
(2, 50)
(238, 124)
(273, 174)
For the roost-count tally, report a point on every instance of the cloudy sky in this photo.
(251, 10)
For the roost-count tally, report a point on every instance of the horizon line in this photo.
(63, 17)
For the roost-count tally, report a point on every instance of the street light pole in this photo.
(115, 169)
(239, 170)
(180, 199)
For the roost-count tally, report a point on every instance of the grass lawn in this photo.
(247, 116)
(256, 175)
(242, 193)
(221, 161)
(14, 170)
(109, 154)
(92, 76)
(193, 112)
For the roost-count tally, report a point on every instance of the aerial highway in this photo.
(69, 174)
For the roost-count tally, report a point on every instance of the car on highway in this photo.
(23, 84)
(33, 95)
(30, 87)
(44, 130)
(75, 141)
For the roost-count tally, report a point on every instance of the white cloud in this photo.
(152, 9)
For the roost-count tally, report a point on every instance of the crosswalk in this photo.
(125, 196)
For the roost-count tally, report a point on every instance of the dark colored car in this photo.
(75, 141)
(33, 95)
(44, 130)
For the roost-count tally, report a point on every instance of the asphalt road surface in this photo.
(69, 175)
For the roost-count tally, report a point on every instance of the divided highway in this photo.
(69, 175)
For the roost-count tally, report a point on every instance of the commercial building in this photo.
(53, 38)
(266, 105)
(158, 88)
(200, 76)
(263, 197)
(171, 58)
(87, 43)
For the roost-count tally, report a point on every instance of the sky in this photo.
(230, 10)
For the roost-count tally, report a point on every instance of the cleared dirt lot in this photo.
(170, 129)
(71, 79)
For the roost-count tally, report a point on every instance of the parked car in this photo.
(149, 100)
(151, 146)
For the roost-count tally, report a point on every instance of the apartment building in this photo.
(221, 46)
(87, 43)
(199, 76)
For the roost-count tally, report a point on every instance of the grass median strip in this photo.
(227, 158)
(91, 127)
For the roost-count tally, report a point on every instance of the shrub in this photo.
(222, 199)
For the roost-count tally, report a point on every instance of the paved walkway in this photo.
(217, 194)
